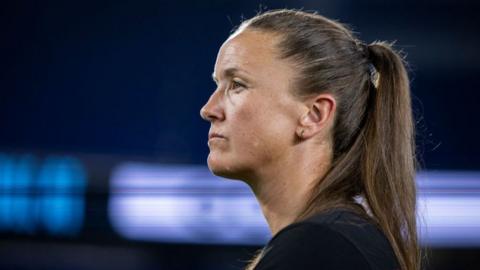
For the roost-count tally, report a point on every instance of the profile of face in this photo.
(252, 112)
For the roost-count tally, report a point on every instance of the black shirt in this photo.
(338, 239)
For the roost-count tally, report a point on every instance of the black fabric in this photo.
(338, 239)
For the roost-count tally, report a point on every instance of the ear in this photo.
(319, 116)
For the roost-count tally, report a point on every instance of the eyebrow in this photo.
(229, 72)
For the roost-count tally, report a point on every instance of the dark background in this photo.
(110, 81)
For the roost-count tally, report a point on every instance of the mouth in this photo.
(214, 135)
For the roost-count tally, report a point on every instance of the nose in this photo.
(212, 110)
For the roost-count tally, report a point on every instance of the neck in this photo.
(282, 188)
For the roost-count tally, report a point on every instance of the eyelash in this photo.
(236, 84)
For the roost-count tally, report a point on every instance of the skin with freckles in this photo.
(261, 132)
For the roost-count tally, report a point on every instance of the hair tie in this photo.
(365, 50)
(371, 70)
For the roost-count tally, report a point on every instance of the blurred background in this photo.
(103, 153)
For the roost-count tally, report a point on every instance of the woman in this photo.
(319, 125)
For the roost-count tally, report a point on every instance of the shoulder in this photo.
(334, 240)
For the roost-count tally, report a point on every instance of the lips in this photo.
(213, 135)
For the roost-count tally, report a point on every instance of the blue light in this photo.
(6, 183)
(187, 204)
(41, 196)
(61, 183)
(449, 208)
(22, 195)
(183, 204)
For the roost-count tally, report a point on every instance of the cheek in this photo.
(262, 132)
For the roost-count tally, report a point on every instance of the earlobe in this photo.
(300, 133)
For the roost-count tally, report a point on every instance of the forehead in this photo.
(250, 51)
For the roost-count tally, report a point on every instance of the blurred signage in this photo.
(41, 196)
(183, 204)
(187, 204)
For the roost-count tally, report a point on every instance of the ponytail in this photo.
(388, 167)
(373, 133)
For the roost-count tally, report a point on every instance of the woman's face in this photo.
(252, 112)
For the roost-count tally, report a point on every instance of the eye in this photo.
(236, 85)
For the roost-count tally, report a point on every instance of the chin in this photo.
(221, 167)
